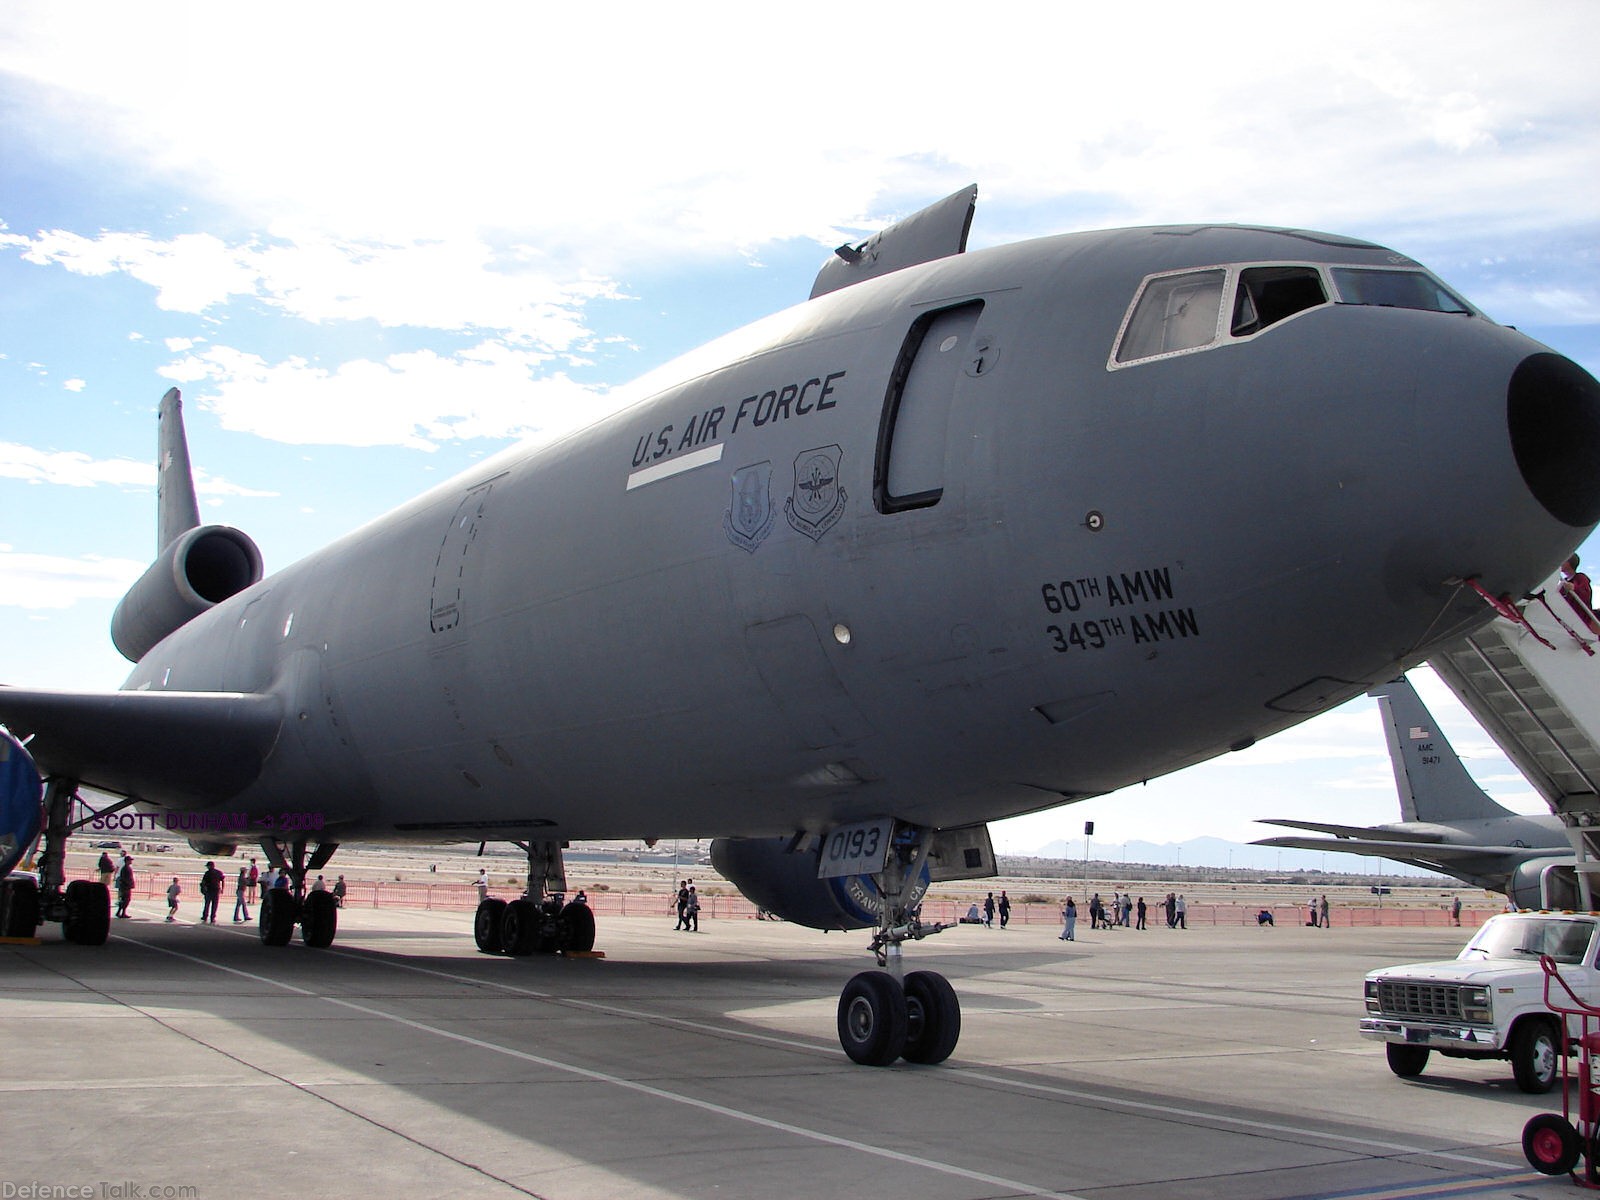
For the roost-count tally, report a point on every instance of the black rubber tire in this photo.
(1535, 1056)
(519, 928)
(19, 908)
(872, 1019)
(319, 920)
(1406, 1061)
(933, 1018)
(486, 925)
(87, 920)
(279, 912)
(576, 933)
(1550, 1144)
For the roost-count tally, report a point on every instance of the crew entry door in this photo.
(914, 436)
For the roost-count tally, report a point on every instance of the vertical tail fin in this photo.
(1432, 782)
(177, 510)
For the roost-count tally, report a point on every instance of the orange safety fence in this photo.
(463, 897)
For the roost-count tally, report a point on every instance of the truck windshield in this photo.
(1563, 939)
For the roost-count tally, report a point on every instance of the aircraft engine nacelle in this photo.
(198, 570)
(786, 884)
(1559, 882)
(21, 791)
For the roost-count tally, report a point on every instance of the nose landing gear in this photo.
(886, 1014)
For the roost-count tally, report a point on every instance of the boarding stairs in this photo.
(1533, 683)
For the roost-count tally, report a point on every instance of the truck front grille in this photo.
(1423, 1001)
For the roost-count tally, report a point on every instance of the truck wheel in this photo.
(1533, 1056)
(1550, 1144)
(1406, 1061)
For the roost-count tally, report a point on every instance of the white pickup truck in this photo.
(1488, 1002)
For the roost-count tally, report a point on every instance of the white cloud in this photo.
(454, 284)
(73, 468)
(1393, 108)
(43, 581)
(75, 385)
(416, 399)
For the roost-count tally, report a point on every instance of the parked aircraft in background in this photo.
(1447, 822)
(963, 536)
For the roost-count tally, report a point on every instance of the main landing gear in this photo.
(82, 906)
(540, 922)
(887, 1014)
(282, 909)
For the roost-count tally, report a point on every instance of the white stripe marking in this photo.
(675, 466)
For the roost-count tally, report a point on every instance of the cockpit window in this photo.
(1266, 295)
(1395, 289)
(1173, 313)
(1180, 312)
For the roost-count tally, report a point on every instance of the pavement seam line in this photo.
(799, 1131)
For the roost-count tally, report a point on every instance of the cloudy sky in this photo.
(372, 243)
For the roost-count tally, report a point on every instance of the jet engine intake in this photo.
(1544, 883)
(198, 570)
(785, 884)
(21, 790)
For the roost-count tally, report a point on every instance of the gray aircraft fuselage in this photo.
(758, 602)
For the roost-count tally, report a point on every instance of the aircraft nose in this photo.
(1553, 412)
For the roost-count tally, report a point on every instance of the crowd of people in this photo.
(213, 883)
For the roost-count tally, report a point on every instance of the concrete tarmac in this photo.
(186, 1060)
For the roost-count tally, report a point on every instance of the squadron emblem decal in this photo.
(751, 515)
(818, 501)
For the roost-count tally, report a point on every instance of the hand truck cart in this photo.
(1552, 1143)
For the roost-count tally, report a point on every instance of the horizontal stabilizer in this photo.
(190, 749)
(1400, 850)
(1363, 833)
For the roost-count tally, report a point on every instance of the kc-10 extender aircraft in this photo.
(962, 536)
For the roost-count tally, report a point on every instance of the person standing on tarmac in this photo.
(124, 885)
(241, 896)
(210, 893)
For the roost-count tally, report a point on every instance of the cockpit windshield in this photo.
(1181, 312)
(1394, 289)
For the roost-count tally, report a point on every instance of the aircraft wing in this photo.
(1360, 832)
(178, 747)
(1410, 851)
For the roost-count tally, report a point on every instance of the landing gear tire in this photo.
(1406, 1061)
(933, 1018)
(278, 915)
(873, 1019)
(1550, 1144)
(486, 926)
(319, 921)
(19, 908)
(575, 934)
(1533, 1057)
(87, 920)
(519, 928)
